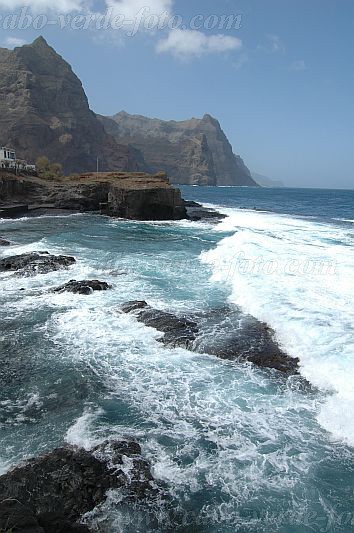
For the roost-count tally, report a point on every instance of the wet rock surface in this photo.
(197, 212)
(229, 334)
(223, 332)
(83, 287)
(178, 331)
(4, 242)
(35, 263)
(14, 516)
(52, 492)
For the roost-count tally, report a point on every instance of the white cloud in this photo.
(59, 6)
(273, 44)
(130, 9)
(12, 42)
(186, 44)
(298, 65)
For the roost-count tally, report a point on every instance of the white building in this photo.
(9, 160)
(7, 155)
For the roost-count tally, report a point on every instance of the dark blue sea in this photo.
(241, 449)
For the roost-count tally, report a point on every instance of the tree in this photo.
(42, 164)
(48, 170)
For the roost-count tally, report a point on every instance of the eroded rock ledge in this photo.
(52, 492)
(136, 196)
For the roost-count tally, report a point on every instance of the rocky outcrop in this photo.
(83, 287)
(145, 199)
(219, 334)
(194, 152)
(52, 492)
(35, 263)
(18, 517)
(4, 242)
(177, 331)
(44, 111)
(197, 212)
(131, 195)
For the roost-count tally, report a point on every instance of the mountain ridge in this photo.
(194, 151)
(44, 111)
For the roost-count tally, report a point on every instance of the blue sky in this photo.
(281, 81)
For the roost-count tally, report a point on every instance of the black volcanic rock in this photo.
(44, 111)
(83, 287)
(177, 331)
(196, 212)
(225, 333)
(229, 334)
(136, 305)
(194, 152)
(4, 242)
(35, 263)
(50, 493)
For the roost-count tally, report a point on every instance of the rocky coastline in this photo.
(53, 492)
(131, 195)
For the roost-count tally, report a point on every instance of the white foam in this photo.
(79, 434)
(201, 421)
(297, 276)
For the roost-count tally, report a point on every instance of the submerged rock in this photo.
(51, 493)
(83, 287)
(35, 263)
(4, 242)
(177, 331)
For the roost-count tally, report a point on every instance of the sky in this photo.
(278, 74)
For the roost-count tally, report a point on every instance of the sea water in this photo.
(239, 448)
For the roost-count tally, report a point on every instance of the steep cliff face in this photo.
(44, 111)
(194, 151)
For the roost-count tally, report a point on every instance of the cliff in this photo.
(195, 152)
(135, 196)
(44, 111)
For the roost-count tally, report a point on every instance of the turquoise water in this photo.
(240, 448)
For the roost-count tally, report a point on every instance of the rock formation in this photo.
(195, 152)
(83, 287)
(177, 331)
(35, 263)
(51, 493)
(211, 335)
(44, 111)
(136, 196)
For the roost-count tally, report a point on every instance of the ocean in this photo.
(240, 448)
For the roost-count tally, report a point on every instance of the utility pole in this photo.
(97, 165)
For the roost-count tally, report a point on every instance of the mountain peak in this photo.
(210, 119)
(40, 41)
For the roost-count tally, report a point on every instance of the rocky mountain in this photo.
(44, 111)
(195, 151)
